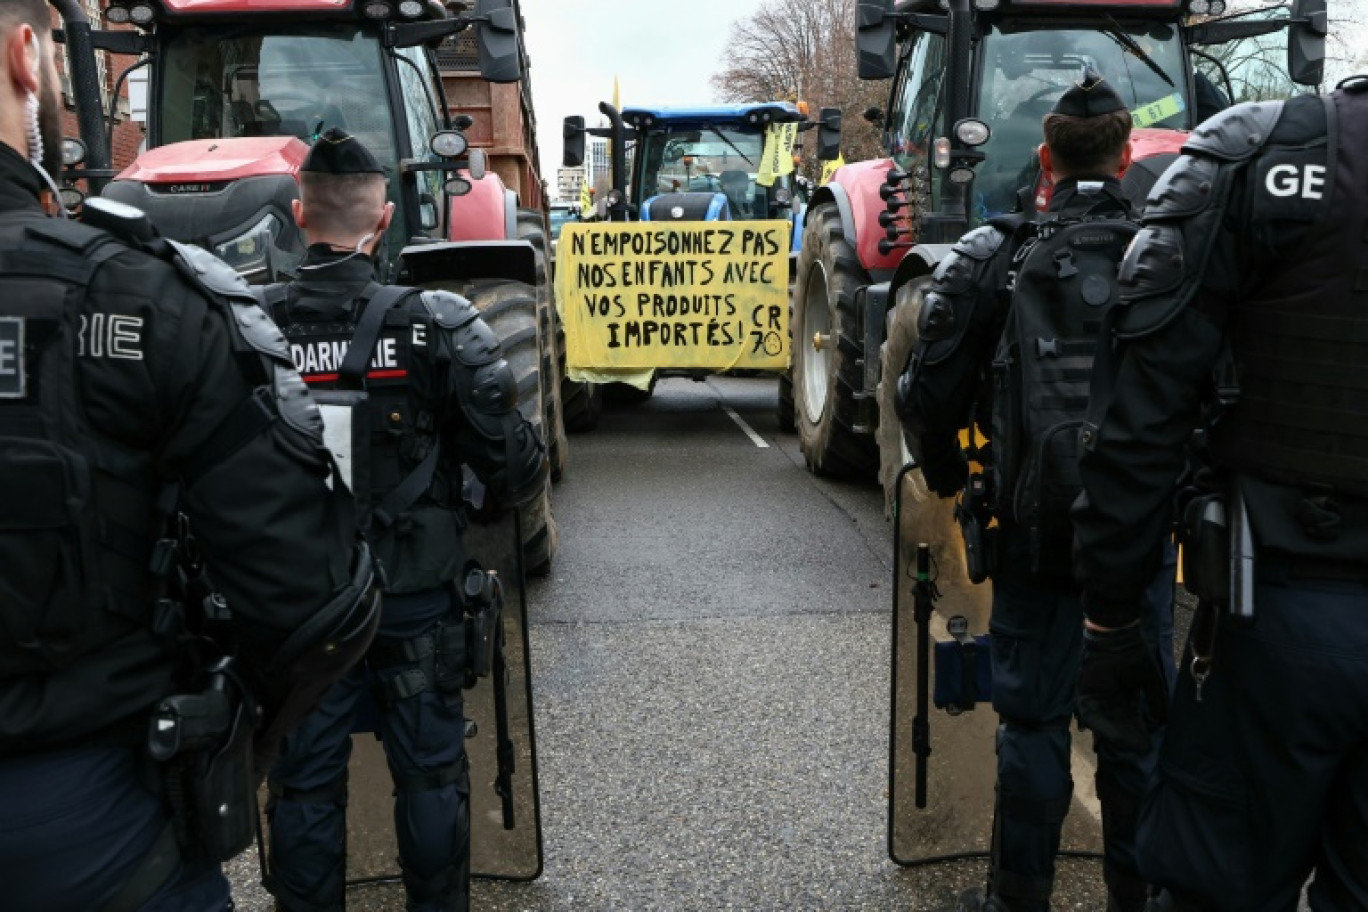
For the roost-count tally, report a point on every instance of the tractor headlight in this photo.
(250, 252)
(73, 151)
(972, 132)
(142, 14)
(449, 143)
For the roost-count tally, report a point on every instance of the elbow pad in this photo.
(947, 310)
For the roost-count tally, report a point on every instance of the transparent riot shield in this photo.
(505, 810)
(942, 762)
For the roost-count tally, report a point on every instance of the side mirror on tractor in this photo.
(829, 134)
(573, 134)
(1306, 42)
(876, 43)
(496, 38)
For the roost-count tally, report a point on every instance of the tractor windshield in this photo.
(229, 82)
(712, 159)
(1025, 72)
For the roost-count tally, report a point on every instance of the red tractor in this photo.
(237, 90)
(972, 80)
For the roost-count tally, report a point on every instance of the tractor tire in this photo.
(625, 394)
(532, 228)
(581, 402)
(784, 412)
(894, 451)
(510, 309)
(826, 379)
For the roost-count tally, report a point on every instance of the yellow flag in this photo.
(777, 159)
(829, 168)
(586, 201)
(617, 94)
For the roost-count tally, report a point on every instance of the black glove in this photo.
(947, 473)
(1122, 695)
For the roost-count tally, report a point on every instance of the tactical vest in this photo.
(1063, 280)
(1300, 339)
(364, 372)
(78, 514)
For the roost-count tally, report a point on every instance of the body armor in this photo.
(1297, 336)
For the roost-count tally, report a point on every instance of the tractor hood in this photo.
(217, 161)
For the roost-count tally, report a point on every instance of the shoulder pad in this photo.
(981, 243)
(1186, 188)
(210, 274)
(962, 267)
(208, 271)
(474, 343)
(1237, 132)
(448, 310)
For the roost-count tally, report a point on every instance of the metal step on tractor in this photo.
(972, 80)
(702, 163)
(237, 90)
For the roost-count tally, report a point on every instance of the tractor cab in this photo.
(706, 163)
(238, 90)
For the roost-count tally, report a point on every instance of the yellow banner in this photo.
(777, 159)
(829, 168)
(706, 295)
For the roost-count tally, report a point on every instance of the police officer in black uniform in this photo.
(440, 395)
(1246, 294)
(131, 368)
(1036, 614)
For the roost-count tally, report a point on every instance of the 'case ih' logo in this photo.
(199, 187)
(11, 357)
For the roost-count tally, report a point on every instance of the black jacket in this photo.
(261, 513)
(438, 392)
(1223, 257)
(945, 386)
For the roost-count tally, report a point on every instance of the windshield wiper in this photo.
(722, 136)
(1133, 46)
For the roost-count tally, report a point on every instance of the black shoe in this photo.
(975, 901)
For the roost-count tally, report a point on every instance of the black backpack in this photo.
(1062, 282)
(69, 579)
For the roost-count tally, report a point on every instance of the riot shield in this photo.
(942, 764)
(505, 810)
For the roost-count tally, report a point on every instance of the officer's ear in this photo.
(1046, 159)
(297, 210)
(386, 217)
(24, 58)
(1126, 152)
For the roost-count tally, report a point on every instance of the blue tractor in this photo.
(701, 164)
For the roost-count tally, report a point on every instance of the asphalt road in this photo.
(710, 659)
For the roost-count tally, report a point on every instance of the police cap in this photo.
(338, 152)
(1090, 96)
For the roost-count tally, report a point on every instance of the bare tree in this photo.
(802, 50)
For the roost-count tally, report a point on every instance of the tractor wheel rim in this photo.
(816, 322)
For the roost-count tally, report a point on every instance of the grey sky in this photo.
(661, 52)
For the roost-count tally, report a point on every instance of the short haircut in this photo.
(36, 13)
(1087, 145)
(345, 205)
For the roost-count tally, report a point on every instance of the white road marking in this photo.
(749, 431)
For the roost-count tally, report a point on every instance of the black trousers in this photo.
(1265, 780)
